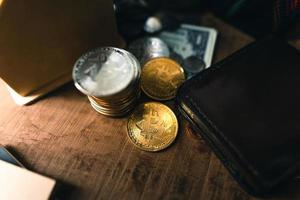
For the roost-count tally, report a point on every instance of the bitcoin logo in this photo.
(152, 126)
(161, 78)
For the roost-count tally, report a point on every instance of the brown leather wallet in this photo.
(247, 108)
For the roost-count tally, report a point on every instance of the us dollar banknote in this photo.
(190, 40)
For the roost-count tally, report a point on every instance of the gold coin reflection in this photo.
(161, 78)
(152, 126)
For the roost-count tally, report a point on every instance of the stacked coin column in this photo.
(110, 77)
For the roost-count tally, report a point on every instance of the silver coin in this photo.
(105, 71)
(153, 25)
(147, 48)
(193, 65)
(136, 63)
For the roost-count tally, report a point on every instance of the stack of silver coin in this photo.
(110, 77)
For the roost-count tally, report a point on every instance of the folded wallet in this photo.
(247, 108)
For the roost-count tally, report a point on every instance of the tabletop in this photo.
(62, 137)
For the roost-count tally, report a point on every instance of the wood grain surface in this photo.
(61, 136)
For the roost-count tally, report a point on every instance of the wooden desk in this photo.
(61, 136)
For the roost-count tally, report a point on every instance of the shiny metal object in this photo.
(147, 48)
(152, 126)
(192, 65)
(153, 25)
(104, 72)
(161, 78)
(110, 78)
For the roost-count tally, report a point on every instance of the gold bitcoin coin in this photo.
(161, 78)
(152, 126)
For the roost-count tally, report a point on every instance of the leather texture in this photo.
(247, 108)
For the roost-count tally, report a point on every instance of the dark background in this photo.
(256, 17)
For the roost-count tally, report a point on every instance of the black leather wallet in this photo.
(247, 108)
